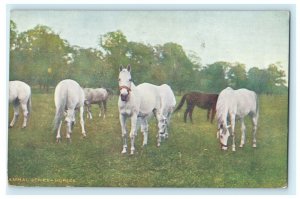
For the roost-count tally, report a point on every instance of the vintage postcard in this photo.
(148, 98)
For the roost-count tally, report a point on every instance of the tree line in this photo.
(40, 57)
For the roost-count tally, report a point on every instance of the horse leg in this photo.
(69, 131)
(104, 109)
(82, 121)
(208, 113)
(213, 113)
(89, 113)
(16, 113)
(58, 132)
(254, 122)
(124, 132)
(145, 129)
(133, 132)
(25, 114)
(167, 125)
(232, 121)
(100, 108)
(185, 113)
(243, 128)
(191, 113)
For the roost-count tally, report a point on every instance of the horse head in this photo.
(162, 124)
(125, 82)
(223, 135)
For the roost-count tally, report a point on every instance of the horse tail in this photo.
(181, 103)
(59, 114)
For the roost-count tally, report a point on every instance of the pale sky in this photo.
(254, 38)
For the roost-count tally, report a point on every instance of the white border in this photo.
(7, 5)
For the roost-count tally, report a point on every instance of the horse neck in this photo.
(132, 86)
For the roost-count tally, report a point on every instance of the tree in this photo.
(276, 77)
(237, 76)
(269, 81)
(178, 67)
(115, 46)
(214, 77)
(39, 56)
(257, 80)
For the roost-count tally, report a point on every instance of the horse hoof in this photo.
(57, 140)
(124, 151)
(241, 146)
(254, 145)
(132, 153)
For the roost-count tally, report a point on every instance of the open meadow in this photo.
(191, 157)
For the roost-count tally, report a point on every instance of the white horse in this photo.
(141, 102)
(20, 93)
(96, 96)
(167, 105)
(232, 105)
(68, 97)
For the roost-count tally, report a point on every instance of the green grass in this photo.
(191, 157)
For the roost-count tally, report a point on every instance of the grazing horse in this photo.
(96, 96)
(203, 100)
(232, 105)
(167, 105)
(20, 93)
(68, 97)
(141, 102)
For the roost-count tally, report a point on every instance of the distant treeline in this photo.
(40, 57)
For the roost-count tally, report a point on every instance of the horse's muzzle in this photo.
(124, 97)
(223, 146)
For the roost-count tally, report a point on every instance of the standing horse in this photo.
(20, 93)
(96, 96)
(68, 97)
(203, 100)
(232, 105)
(141, 102)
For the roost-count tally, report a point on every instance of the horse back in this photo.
(19, 90)
(149, 96)
(246, 102)
(240, 102)
(69, 92)
(203, 100)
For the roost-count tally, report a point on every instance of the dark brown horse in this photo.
(203, 100)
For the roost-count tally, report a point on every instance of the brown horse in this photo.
(203, 100)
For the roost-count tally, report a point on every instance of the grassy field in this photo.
(191, 157)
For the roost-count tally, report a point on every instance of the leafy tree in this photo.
(39, 56)
(237, 76)
(178, 67)
(257, 80)
(269, 81)
(214, 77)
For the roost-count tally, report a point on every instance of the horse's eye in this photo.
(130, 79)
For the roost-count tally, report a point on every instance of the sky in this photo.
(254, 38)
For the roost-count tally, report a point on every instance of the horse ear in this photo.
(121, 68)
(128, 67)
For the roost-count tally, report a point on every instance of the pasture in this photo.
(191, 157)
